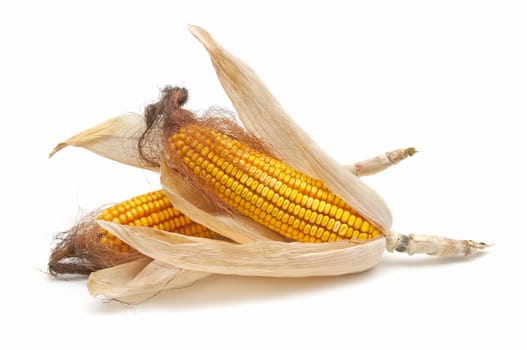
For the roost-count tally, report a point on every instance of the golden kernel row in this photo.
(267, 190)
(152, 210)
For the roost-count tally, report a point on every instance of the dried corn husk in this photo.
(259, 258)
(139, 280)
(115, 139)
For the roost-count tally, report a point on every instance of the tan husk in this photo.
(115, 139)
(263, 116)
(137, 281)
(260, 258)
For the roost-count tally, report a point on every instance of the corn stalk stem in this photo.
(382, 162)
(432, 245)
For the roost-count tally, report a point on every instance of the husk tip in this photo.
(57, 148)
(195, 30)
(201, 34)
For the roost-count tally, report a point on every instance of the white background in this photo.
(362, 77)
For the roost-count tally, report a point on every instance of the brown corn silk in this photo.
(79, 251)
(87, 247)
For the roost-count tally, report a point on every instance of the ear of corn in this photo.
(263, 116)
(267, 190)
(152, 209)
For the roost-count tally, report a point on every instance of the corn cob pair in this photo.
(235, 169)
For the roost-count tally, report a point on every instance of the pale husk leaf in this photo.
(115, 139)
(261, 258)
(137, 281)
(232, 225)
(263, 115)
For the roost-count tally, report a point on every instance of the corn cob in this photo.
(153, 210)
(267, 190)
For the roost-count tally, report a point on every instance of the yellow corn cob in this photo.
(267, 190)
(153, 210)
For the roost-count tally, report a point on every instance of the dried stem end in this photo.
(433, 245)
(382, 162)
(400, 154)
